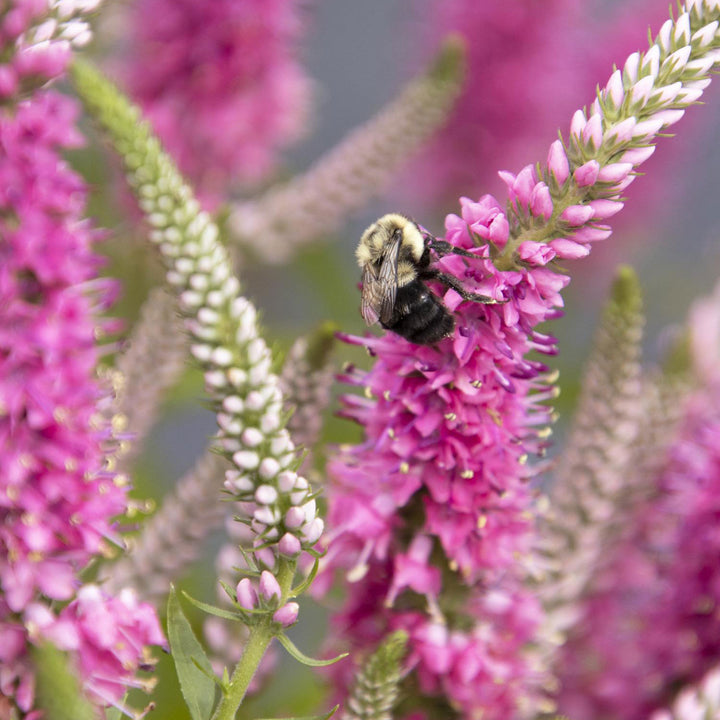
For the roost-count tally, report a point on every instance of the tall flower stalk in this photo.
(275, 502)
(431, 513)
(58, 480)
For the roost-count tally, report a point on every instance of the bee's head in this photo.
(385, 231)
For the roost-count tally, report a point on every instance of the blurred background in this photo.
(530, 64)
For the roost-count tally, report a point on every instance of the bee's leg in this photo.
(443, 248)
(455, 284)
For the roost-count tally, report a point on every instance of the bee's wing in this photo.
(379, 289)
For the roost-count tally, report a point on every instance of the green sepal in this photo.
(326, 716)
(292, 649)
(191, 663)
(57, 690)
(212, 610)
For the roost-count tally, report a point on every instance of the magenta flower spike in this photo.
(648, 622)
(59, 490)
(449, 427)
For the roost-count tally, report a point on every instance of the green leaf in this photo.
(57, 690)
(305, 584)
(192, 665)
(212, 610)
(292, 649)
(326, 716)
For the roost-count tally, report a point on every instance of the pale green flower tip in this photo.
(626, 291)
(449, 63)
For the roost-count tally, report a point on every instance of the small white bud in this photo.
(222, 356)
(266, 495)
(252, 437)
(246, 459)
(269, 468)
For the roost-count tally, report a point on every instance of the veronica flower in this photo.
(273, 500)
(223, 101)
(449, 428)
(649, 622)
(39, 35)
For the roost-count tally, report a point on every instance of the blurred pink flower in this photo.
(57, 501)
(57, 496)
(220, 83)
(651, 621)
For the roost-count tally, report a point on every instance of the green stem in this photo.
(260, 637)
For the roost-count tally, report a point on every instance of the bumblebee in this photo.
(394, 255)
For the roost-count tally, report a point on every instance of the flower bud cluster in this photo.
(43, 33)
(274, 500)
(266, 595)
(557, 210)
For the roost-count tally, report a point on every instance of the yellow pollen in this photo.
(545, 433)
(121, 480)
(60, 415)
(28, 519)
(451, 416)
(391, 433)
(368, 392)
(119, 423)
(404, 468)
(523, 459)
(97, 421)
(71, 465)
(467, 474)
(552, 377)
(482, 522)
(495, 415)
(35, 556)
(476, 383)
(26, 460)
(110, 463)
(386, 395)
(453, 565)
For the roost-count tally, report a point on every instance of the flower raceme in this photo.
(449, 428)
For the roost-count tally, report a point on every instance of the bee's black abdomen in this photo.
(419, 316)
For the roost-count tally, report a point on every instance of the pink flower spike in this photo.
(557, 162)
(614, 90)
(587, 174)
(614, 172)
(569, 250)
(604, 208)
(269, 587)
(577, 214)
(246, 595)
(287, 615)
